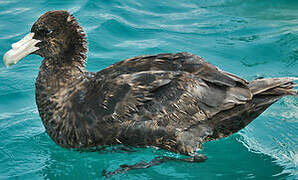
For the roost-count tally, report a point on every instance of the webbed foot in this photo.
(156, 161)
(140, 165)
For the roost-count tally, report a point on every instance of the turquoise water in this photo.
(250, 38)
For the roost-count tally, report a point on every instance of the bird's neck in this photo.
(55, 86)
(72, 58)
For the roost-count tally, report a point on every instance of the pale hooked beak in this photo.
(20, 49)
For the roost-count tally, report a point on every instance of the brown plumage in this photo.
(172, 101)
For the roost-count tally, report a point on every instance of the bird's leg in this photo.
(156, 161)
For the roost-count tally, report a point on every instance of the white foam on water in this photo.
(275, 134)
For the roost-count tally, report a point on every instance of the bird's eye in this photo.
(45, 32)
(48, 31)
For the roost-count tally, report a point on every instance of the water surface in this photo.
(250, 38)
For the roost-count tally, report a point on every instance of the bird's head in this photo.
(56, 36)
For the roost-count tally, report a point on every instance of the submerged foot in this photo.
(140, 165)
(156, 161)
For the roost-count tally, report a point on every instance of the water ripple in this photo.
(239, 36)
(15, 11)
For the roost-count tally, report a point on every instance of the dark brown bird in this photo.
(171, 101)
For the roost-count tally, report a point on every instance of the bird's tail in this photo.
(273, 86)
(265, 93)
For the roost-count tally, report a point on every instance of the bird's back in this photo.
(155, 100)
